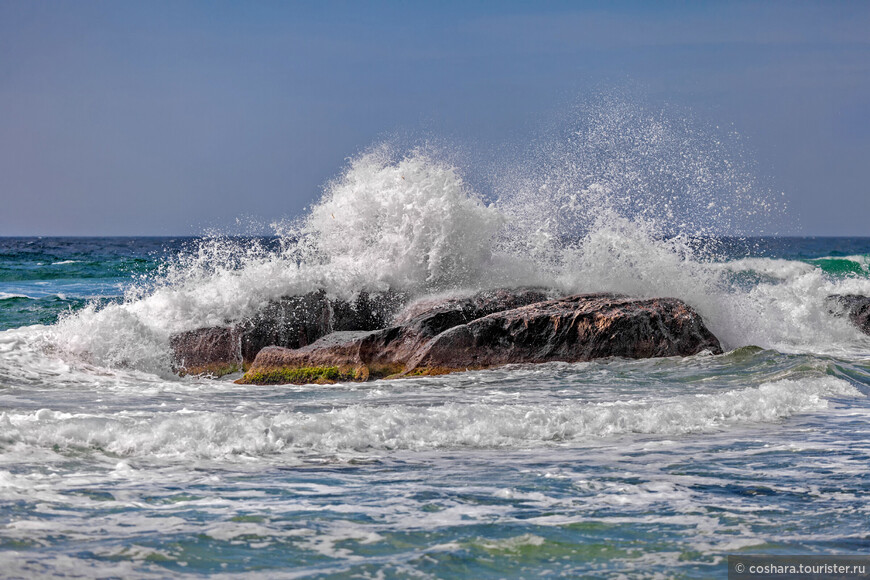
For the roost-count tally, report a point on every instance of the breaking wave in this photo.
(617, 198)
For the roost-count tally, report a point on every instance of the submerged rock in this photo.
(493, 329)
(290, 322)
(855, 306)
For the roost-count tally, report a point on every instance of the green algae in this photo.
(320, 374)
(298, 375)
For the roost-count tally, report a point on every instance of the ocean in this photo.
(112, 466)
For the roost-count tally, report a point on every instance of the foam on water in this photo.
(775, 270)
(8, 295)
(640, 506)
(192, 434)
(409, 223)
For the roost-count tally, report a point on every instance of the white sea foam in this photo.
(860, 259)
(410, 223)
(407, 224)
(207, 434)
(7, 295)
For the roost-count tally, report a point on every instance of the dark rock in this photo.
(290, 322)
(447, 312)
(576, 328)
(385, 352)
(208, 351)
(493, 329)
(855, 306)
(423, 320)
(370, 311)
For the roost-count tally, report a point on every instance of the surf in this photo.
(615, 197)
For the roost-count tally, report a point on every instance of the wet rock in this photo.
(572, 329)
(207, 351)
(339, 356)
(290, 322)
(855, 306)
(369, 311)
(445, 336)
(364, 355)
(446, 312)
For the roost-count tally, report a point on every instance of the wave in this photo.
(12, 295)
(844, 266)
(198, 434)
(47, 296)
(614, 202)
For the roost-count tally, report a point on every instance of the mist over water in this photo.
(609, 156)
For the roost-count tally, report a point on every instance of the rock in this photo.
(422, 321)
(208, 351)
(370, 311)
(338, 356)
(855, 306)
(291, 322)
(493, 329)
(463, 309)
(364, 355)
(572, 329)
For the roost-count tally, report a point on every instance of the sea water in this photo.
(113, 466)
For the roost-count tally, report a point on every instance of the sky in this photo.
(173, 118)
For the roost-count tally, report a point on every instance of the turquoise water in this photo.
(111, 466)
(43, 277)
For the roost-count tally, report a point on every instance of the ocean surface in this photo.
(113, 466)
(110, 466)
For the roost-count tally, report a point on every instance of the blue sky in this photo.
(165, 118)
